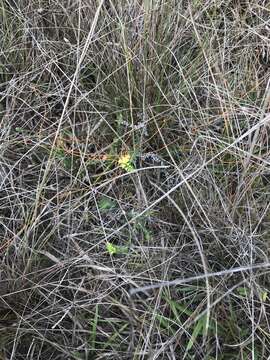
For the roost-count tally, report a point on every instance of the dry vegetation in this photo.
(134, 152)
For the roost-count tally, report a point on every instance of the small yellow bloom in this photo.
(125, 162)
(124, 159)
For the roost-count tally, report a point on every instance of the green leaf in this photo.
(263, 295)
(115, 249)
(76, 355)
(165, 323)
(19, 129)
(243, 291)
(178, 309)
(111, 248)
(106, 204)
(196, 332)
(94, 329)
(119, 119)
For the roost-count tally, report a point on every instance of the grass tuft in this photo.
(134, 180)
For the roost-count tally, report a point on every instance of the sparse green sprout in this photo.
(106, 203)
(19, 129)
(111, 248)
(263, 295)
(125, 162)
(242, 291)
(115, 249)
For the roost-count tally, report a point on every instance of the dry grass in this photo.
(165, 253)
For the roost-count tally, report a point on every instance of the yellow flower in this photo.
(125, 162)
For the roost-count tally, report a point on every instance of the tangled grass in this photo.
(134, 179)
